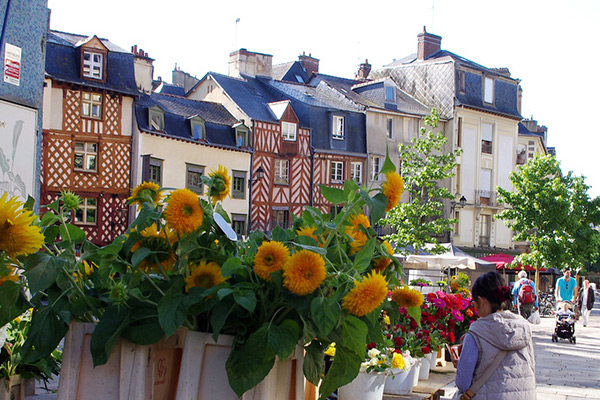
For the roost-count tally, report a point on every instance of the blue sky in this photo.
(551, 46)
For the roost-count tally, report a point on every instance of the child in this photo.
(565, 314)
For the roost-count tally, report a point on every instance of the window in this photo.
(155, 171)
(238, 224)
(486, 227)
(459, 133)
(157, 119)
(486, 183)
(92, 65)
(282, 172)
(462, 81)
(241, 137)
(91, 105)
(281, 218)
(488, 93)
(338, 127)
(521, 154)
(389, 93)
(88, 211)
(238, 190)
(376, 165)
(193, 179)
(288, 131)
(457, 179)
(531, 149)
(486, 138)
(198, 129)
(86, 155)
(337, 171)
(356, 172)
(410, 129)
(390, 128)
(456, 226)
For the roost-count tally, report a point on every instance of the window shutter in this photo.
(146, 168)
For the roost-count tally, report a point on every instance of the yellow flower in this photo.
(358, 242)
(220, 187)
(9, 274)
(86, 269)
(398, 361)
(184, 213)
(366, 295)
(205, 274)
(407, 297)
(386, 320)
(270, 257)
(381, 263)
(330, 350)
(17, 234)
(304, 272)
(310, 232)
(160, 242)
(145, 192)
(392, 189)
(356, 221)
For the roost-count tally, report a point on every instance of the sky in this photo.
(551, 46)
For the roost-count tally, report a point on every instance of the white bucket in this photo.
(424, 371)
(401, 382)
(366, 386)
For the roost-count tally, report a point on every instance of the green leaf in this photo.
(314, 249)
(111, 249)
(377, 207)
(313, 365)
(350, 187)
(355, 335)
(326, 314)
(245, 298)
(219, 315)
(284, 338)
(12, 302)
(248, 364)
(363, 258)
(344, 369)
(139, 255)
(388, 165)
(333, 195)
(107, 333)
(72, 232)
(45, 333)
(49, 219)
(415, 312)
(42, 270)
(172, 308)
(50, 234)
(145, 332)
(230, 267)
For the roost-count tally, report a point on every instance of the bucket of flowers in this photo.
(180, 266)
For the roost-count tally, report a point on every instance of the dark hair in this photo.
(491, 286)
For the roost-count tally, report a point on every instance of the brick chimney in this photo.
(428, 44)
(363, 70)
(250, 63)
(143, 69)
(310, 64)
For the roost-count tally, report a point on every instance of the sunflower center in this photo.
(7, 239)
(204, 281)
(269, 259)
(188, 210)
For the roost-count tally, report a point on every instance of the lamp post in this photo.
(258, 175)
(453, 205)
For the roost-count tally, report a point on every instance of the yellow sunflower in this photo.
(407, 297)
(310, 232)
(356, 221)
(184, 213)
(304, 272)
(205, 274)
(358, 242)
(381, 263)
(392, 189)
(17, 234)
(145, 192)
(160, 242)
(221, 184)
(270, 257)
(9, 274)
(366, 295)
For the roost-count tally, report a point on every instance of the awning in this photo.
(504, 260)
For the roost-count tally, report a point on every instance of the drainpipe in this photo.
(250, 188)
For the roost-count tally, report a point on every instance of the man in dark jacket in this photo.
(586, 301)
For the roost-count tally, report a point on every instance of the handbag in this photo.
(534, 318)
(475, 386)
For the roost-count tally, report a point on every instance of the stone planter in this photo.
(366, 386)
(14, 389)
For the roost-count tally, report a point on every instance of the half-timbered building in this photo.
(87, 129)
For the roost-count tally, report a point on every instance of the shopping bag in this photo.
(534, 318)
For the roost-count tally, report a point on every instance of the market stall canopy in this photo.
(503, 261)
(453, 258)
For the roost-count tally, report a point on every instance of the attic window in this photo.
(93, 64)
(288, 131)
(156, 119)
(241, 137)
(198, 129)
(488, 94)
(389, 93)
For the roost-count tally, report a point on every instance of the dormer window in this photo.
(389, 93)
(198, 128)
(488, 93)
(156, 119)
(337, 131)
(241, 135)
(288, 131)
(93, 65)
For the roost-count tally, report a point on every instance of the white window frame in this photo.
(196, 123)
(337, 129)
(487, 137)
(337, 171)
(376, 165)
(488, 90)
(81, 216)
(93, 68)
(88, 101)
(281, 173)
(87, 151)
(356, 172)
(159, 123)
(288, 131)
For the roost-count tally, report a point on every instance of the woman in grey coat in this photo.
(497, 329)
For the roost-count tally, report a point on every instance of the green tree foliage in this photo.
(424, 167)
(554, 213)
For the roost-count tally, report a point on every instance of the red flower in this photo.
(397, 341)
(371, 346)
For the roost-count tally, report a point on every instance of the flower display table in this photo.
(430, 389)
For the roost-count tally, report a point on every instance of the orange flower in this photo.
(392, 189)
(381, 263)
(205, 274)
(407, 297)
(270, 257)
(18, 235)
(366, 295)
(310, 232)
(304, 272)
(184, 213)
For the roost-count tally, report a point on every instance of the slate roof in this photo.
(524, 131)
(63, 64)
(177, 112)
(292, 71)
(169, 88)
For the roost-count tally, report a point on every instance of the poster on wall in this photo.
(12, 64)
(18, 126)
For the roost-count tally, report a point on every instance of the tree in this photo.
(424, 166)
(554, 213)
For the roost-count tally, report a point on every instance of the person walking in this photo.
(565, 287)
(586, 301)
(525, 295)
(497, 360)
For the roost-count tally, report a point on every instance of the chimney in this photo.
(428, 44)
(363, 70)
(250, 63)
(183, 79)
(310, 64)
(143, 69)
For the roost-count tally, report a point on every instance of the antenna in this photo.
(236, 32)
(433, 15)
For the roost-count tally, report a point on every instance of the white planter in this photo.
(417, 368)
(424, 371)
(366, 386)
(14, 389)
(402, 381)
(432, 360)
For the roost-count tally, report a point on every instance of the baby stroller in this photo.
(565, 322)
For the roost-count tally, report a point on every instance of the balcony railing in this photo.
(486, 198)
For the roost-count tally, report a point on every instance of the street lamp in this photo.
(453, 205)
(258, 175)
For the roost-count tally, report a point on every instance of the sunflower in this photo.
(17, 234)
(366, 295)
(9, 274)
(356, 221)
(145, 192)
(407, 297)
(159, 242)
(205, 274)
(304, 272)
(392, 189)
(381, 263)
(184, 213)
(310, 232)
(221, 184)
(270, 257)
(358, 242)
